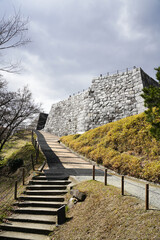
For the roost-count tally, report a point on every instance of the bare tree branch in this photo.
(13, 34)
(15, 107)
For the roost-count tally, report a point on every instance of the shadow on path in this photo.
(56, 166)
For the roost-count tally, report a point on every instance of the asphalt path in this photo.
(62, 161)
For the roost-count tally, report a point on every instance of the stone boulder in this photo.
(80, 196)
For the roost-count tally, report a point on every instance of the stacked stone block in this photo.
(108, 99)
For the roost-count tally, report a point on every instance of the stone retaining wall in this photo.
(108, 99)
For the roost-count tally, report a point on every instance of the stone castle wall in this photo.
(108, 99)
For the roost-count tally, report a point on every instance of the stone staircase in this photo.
(35, 213)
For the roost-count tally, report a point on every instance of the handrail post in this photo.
(105, 177)
(93, 172)
(23, 176)
(15, 190)
(147, 196)
(32, 162)
(35, 144)
(122, 185)
(37, 152)
(32, 137)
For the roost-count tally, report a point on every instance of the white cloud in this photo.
(75, 40)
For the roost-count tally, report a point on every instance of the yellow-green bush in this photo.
(126, 146)
(151, 171)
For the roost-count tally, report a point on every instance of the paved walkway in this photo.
(62, 161)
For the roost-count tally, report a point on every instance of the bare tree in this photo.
(13, 34)
(15, 107)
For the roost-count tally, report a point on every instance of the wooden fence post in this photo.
(23, 176)
(35, 144)
(37, 153)
(32, 137)
(93, 172)
(15, 190)
(122, 185)
(147, 196)
(32, 162)
(105, 177)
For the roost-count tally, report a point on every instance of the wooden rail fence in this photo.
(122, 186)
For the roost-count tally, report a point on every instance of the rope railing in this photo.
(11, 193)
(146, 188)
(37, 149)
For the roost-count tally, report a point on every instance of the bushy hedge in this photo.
(125, 146)
(14, 164)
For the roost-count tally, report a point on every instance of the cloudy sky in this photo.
(73, 41)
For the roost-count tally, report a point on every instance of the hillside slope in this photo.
(125, 146)
(105, 214)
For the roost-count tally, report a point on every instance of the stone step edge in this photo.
(49, 198)
(22, 236)
(33, 220)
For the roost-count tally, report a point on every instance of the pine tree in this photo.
(151, 97)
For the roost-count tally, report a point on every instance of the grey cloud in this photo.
(74, 40)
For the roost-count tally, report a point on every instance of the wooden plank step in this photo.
(37, 210)
(50, 182)
(45, 192)
(37, 228)
(40, 204)
(6, 235)
(46, 187)
(51, 198)
(48, 219)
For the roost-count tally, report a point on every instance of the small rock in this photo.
(80, 196)
(72, 202)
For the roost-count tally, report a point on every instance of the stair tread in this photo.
(23, 236)
(27, 225)
(38, 209)
(36, 214)
(45, 186)
(46, 190)
(41, 196)
(51, 177)
(33, 217)
(40, 202)
(52, 181)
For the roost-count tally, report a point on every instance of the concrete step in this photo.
(45, 192)
(41, 198)
(6, 235)
(40, 204)
(37, 210)
(47, 219)
(37, 228)
(46, 187)
(50, 177)
(50, 182)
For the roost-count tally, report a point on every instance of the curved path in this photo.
(61, 161)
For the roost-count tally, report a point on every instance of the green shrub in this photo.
(14, 164)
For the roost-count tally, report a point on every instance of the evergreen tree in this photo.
(151, 97)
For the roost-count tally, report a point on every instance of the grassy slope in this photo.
(19, 147)
(124, 146)
(105, 214)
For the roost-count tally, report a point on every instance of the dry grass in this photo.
(105, 214)
(19, 147)
(125, 146)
